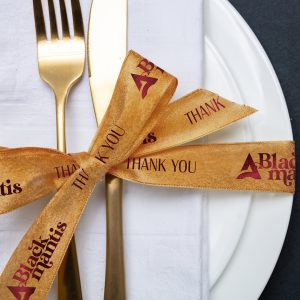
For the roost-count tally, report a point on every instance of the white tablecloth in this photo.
(165, 229)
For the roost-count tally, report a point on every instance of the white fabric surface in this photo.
(165, 229)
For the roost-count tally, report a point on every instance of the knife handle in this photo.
(115, 273)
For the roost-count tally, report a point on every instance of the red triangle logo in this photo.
(22, 293)
(250, 168)
(143, 83)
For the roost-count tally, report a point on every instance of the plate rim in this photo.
(218, 260)
(223, 284)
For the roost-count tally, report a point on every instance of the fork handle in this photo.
(60, 121)
(115, 274)
(69, 287)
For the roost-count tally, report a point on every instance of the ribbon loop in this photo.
(141, 93)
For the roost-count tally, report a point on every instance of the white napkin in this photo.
(165, 229)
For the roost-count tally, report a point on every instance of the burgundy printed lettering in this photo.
(143, 81)
(204, 111)
(282, 169)
(38, 262)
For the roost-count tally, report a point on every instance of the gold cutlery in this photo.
(61, 63)
(107, 47)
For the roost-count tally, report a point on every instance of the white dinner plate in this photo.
(246, 230)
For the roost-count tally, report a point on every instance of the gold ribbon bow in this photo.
(135, 141)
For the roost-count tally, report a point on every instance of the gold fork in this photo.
(61, 64)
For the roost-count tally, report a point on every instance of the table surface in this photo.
(276, 23)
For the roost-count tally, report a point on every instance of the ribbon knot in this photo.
(135, 141)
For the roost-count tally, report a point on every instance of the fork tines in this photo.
(40, 20)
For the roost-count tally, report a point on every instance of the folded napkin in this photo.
(165, 229)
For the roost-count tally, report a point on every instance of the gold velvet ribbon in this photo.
(135, 141)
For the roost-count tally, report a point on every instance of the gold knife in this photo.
(107, 47)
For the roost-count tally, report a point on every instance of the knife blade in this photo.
(107, 47)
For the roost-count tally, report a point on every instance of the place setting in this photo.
(140, 151)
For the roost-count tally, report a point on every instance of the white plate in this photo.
(245, 236)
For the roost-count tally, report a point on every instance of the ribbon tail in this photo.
(257, 166)
(34, 264)
(191, 117)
